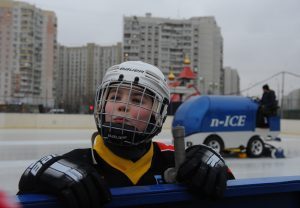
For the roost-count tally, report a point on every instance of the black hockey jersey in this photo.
(118, 171)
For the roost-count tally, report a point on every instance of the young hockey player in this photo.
(130, 109)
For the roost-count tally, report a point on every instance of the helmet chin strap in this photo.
(92, 148)
(120, 135)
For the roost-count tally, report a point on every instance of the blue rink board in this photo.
(255, 192)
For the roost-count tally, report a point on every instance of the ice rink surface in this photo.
(20, 147)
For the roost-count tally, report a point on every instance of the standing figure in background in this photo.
(268, 106)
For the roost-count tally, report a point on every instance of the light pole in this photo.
(202, 89)
(213, 86)
(282, 94)
(200, 81)
(126, 57)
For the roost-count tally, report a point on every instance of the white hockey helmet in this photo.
(132, 75)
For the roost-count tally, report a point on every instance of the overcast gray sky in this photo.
(261, 37)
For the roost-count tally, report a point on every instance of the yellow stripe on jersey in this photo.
(133, 170)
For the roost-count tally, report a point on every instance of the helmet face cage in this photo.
(150, 117)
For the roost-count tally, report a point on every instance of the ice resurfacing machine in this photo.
(226, 122)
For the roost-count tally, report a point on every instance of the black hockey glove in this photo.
(204, 171)
(76, 185)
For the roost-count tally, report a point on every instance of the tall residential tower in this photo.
(27, 54)
(80, 70)
(231, 81)
(165, 42)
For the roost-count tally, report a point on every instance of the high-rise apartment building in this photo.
(231, 81)
(165, 42)
(80, 70)
(27, 54)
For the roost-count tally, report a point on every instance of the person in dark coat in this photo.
(268, 106)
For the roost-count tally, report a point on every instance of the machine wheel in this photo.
(255, 147)
(215, 142)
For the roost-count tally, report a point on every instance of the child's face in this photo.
(132, 108)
